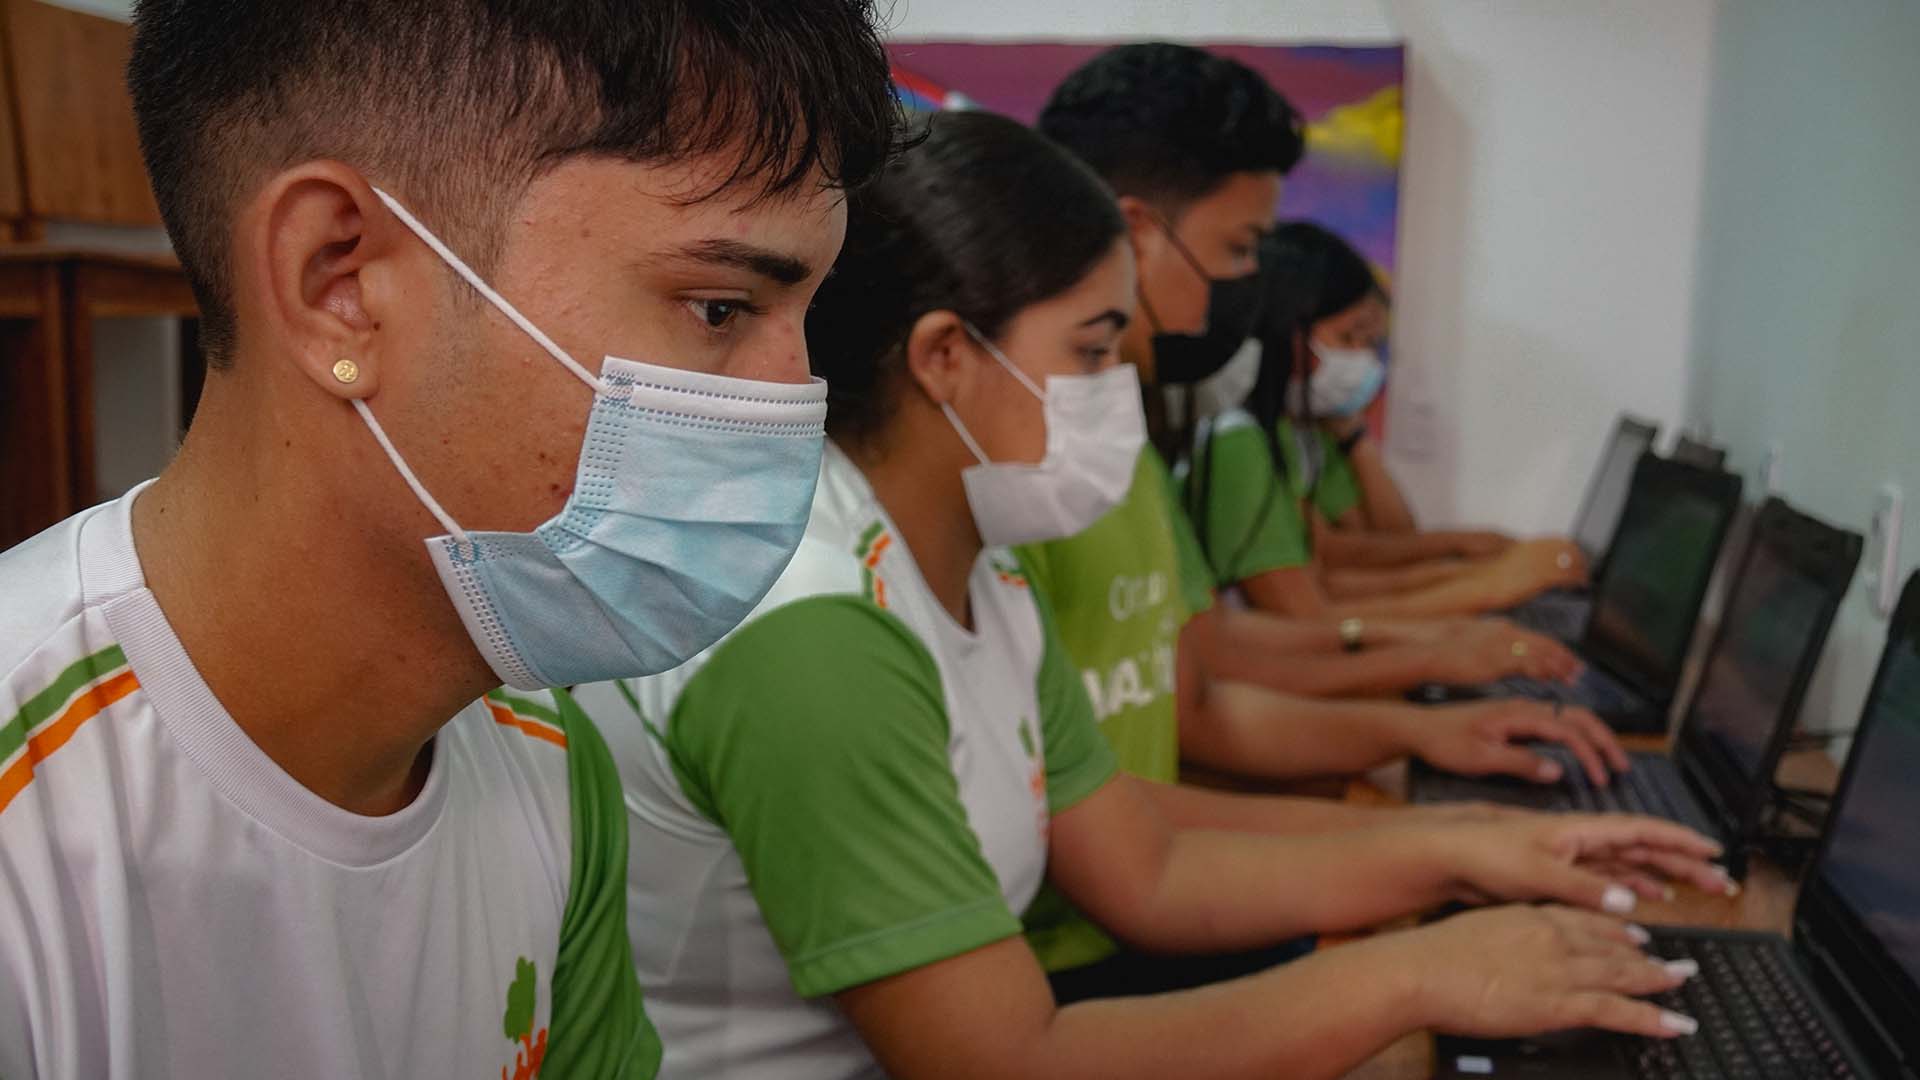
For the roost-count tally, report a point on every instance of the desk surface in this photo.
(1766, 903)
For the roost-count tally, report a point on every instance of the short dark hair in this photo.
(983, 218)
(1169, 123)
(459, 104)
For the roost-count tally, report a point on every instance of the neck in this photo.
(328, 643)
(921, 489)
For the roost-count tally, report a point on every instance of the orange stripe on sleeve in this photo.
(508, 718)
(55, 735)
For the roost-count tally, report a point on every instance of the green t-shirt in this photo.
(1252, 525)
(848, 786)
(1120, 592)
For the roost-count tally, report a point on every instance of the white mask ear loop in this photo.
(466, 272)
(994, 351)
(419, 490)
(960, 429)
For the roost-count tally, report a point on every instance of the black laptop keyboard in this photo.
(1755, 1021)
(1595, 690)
(1653, 786)
(1561, 616)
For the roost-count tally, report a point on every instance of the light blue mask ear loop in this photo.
(540, 338)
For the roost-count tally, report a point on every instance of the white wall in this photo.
(1808, 336)
(1551, 206)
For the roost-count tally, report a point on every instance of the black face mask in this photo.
(1233, 307)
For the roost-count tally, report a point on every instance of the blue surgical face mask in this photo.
(691, 495)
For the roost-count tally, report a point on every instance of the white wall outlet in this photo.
(1882, 578)
(1770, 468)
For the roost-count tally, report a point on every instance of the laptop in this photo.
(1787, 589)
(1562, 613)
(1841, 999)
(1646, 600)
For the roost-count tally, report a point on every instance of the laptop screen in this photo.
(1870, 862)
(1646, 601)
(1608, 496)
(1770, 623)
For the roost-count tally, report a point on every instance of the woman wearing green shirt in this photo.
(841, 809)
(1291, 494)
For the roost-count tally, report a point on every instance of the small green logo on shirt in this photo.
(519, 1023)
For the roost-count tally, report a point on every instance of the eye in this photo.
(720, 314)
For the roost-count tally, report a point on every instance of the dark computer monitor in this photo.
(1647, 597)
(1607, 493)
(1858, 921)
(1699, 452)
(1789, 584)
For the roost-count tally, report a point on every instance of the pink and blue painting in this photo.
(1350, 97)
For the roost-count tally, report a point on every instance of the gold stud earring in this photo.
(346, 371)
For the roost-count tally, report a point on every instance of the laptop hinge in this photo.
(1858, 1002)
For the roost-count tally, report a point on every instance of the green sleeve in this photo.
(817, 737)
(598, 1026)
(1197, 579)
(1254, 523)
(1079, 758)
(1339, 490)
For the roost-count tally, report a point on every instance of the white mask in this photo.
(1095, 429)
(1346, 382)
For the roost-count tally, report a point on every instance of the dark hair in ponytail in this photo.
(983, 218)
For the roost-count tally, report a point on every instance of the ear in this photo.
(306, 240)
(941, 356)
(1144, 230)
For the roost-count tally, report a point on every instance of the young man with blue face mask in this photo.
(504, 308)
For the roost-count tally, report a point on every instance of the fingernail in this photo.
(1638, 934)
(1667, 893)
(1679, 1023)
(1547, 772)
(1618, 899)
(1681, 969)
(1727, 885)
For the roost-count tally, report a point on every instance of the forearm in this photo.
(1347, 548)
(1317, 1017)
(1474, 592)
(1385, 506)
(1220, 891)
(1188, 807)
(1253, 647)
(1359, 583)
(1254, 731)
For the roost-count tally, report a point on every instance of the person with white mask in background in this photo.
(850, 800)
(503, 306)
(1287, 487)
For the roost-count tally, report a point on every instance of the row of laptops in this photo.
(1645, 602)
(1563, 613)
(1841, 999)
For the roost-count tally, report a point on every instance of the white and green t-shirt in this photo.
(173, 904)
(849, 786)
(1250, 519)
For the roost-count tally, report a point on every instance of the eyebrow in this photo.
(777, 266)
(1113, 315)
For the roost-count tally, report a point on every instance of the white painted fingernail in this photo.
(1681, 969)
(1667, 893)
(1638, 934)
(1618, 899)
(1679, 1023)
(1727, 884)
